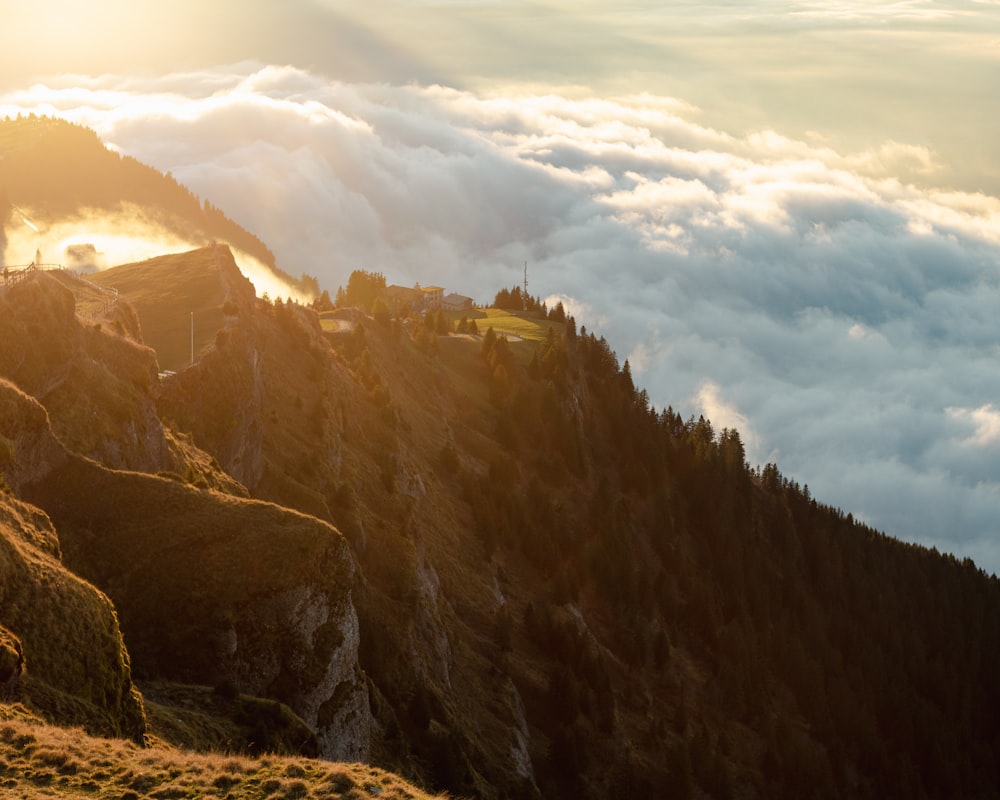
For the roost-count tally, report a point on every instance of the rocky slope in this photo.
(211, 587)
(95, 380)
(61, 650)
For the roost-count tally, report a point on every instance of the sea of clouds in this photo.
(843, 319)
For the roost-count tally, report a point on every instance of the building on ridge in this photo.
(417, 300)
(456, 302)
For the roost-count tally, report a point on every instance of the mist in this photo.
(118, 238)
(121, 236)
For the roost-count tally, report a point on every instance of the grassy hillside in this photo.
(559, 590)
(551, 588)
(64, 632)
(39, 760)
(165, 292)
(516, 325)
(211, 587)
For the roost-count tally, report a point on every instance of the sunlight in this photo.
(123, 238)
(265, 281)
(117, 238)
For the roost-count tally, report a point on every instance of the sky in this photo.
(785, 215)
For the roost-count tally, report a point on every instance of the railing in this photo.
(108, 293)
(13, 275)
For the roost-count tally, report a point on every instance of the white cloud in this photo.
(724, 414)
(985, 419)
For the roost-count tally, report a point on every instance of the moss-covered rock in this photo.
(61, 632)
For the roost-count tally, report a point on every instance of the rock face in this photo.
(214, 588)
(221, 399)
(315, 669)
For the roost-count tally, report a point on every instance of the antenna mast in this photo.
(525, 285)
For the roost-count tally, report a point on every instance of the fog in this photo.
(119, 238)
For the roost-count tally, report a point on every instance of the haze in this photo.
(783, 214)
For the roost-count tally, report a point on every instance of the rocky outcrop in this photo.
(314, 670)
(213, 588)
(210, 588)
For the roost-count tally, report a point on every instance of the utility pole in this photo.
(525, 300)
(192, 337)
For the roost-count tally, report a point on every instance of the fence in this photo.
(16, 274)
(106, 297)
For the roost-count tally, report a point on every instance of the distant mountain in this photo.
(465, 549)
(58, 169)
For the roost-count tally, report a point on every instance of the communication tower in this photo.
(524, 297)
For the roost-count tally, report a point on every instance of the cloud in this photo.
(841, 316)
(986, 420)
(724, 414)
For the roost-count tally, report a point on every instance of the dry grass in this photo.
(165, 292)
(39, 760)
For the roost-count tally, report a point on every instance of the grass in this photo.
(165, 292)
(331, 324)
(512, 323)
(39, 760)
